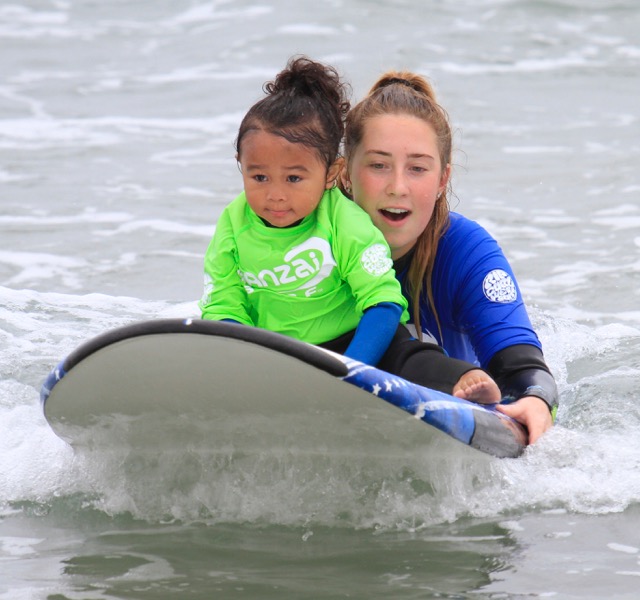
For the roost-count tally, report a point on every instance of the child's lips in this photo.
(278, 213)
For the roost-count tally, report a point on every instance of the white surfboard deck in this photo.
(215, 387)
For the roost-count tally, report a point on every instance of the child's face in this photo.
(284, 182)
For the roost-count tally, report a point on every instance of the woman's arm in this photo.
(521, 370)
(523, 376)
(487, 306)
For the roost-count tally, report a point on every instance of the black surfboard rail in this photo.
(254, 335)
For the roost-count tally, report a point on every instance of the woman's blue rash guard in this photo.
(481, 312)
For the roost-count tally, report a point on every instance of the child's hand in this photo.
(477, 386)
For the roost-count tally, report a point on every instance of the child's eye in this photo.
(260, 178)
(294, 178)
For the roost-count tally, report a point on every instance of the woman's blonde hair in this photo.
(405, 93)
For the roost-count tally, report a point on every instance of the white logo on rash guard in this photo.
(375, 260)
(208, 289)
(307, 264)
(498, 286)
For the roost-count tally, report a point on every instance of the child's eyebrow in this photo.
(297, 168)
(260, 167)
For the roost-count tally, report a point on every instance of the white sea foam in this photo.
(24, 22)
(159, 225)
(8, 177)
(308, 29)
(537, 150)
(191, 191)
(36, 266)
(41, 133)
(17, 547)
(88, 215)
(622, 548)
(206, 72)
(212, 11)
(38, 134)
(629, 51)
(523, 66)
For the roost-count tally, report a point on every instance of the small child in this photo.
(293, 255)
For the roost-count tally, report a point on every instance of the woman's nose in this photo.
(397, 185)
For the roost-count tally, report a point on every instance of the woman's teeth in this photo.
(395, 214)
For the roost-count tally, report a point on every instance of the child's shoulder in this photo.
(237, 208)
(335, 204)
(240, 201)
(346, 221)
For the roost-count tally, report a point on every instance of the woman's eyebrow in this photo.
(412, 155)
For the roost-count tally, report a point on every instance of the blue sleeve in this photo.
(374, 333)
(477, 295)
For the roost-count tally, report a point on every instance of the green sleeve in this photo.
(365, 259)
(224, 296)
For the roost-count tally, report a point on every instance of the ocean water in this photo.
(117, 122)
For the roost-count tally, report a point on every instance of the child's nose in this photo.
(276, 193)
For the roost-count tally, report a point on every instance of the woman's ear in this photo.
(333, 172)
(444, 179)
(345, 181)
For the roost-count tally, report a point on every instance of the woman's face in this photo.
(395, 175)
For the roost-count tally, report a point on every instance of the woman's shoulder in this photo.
(463, 234)
(466, 244)
(460, 227)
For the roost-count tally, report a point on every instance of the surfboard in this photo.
(190, 383)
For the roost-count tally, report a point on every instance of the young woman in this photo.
(293, 255)
(462, 291)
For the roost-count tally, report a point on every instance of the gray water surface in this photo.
(117, 122)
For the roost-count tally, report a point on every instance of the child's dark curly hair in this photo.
(305, 104)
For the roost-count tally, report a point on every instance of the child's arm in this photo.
(224, 297)
(374, 333)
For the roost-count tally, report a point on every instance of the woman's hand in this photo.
(532, 412)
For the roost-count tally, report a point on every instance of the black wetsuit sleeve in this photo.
(422, 363)
(521, 370)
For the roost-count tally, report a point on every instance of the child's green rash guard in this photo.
(312, 281)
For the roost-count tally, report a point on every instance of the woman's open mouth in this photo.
(394, 214)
